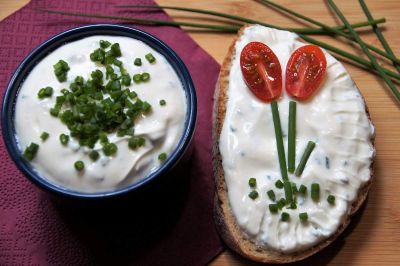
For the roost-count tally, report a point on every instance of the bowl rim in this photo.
(74, 34)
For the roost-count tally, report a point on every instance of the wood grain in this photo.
(374, 237)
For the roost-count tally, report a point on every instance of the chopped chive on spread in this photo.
(293, 205)
(163, 102)
(252, 182)
(61, 69)
(31, 151)
(279, 140)
(315, 192)
(162, 157)
(279, 184)
(44, 136)
(150, 58)
(281, 203)
(331, 199)
(115, 50)
(304, 158)
(253, 195)
(94, 155)
(145, 77)
(294, 188)
(285, 216)
(79, 165)
(287, 186)
(126, 80)
(64, 139)
(271, 195)
(273, 208)
(110, 149)
(303, 190)
(136, 142)
(303, 216)
(45, 92)
(137, 62)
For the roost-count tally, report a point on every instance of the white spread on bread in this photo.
(335, 118)
(162, 128)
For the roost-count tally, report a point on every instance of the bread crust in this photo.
(224, 219)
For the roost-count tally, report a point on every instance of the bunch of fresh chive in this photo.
(91, 109)
(345, 31)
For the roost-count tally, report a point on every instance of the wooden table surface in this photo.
(374, 238)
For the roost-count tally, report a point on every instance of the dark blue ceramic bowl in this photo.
(7, 116)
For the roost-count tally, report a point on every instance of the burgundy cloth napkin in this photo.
(173, 226)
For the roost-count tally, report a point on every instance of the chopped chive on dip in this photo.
(94, 155)
(315, 192)
(30, 151)
(61, 69)
(252, 182)
(163, 102)
(44, 136)
(150, 58)
(273, 208)
(285, 216)
(331, 199)
(162, 157)
(136, 142)
(137, 78)
(279, 184)
(64, 139)
(45, 92)
(110, 149)
(293, 205)
(294, 188)
(253, 195)
(79, 165)
(145, 77)
(137, 62)
(303, 216)
(271, 195)
(104, 44)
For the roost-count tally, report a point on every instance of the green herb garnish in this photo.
(271, 195)
(94, 155)
(315, 192)
(79, 165)
(45, 92)
(136, 142)
(331, 199)
(64, 139)
(145, 77)
(162, 157)
(61, 69)
(110, 149)
(304, 158)
(285, 216)
(287, 186)
(279, 140)
(150, 58)
(303, 190)
(303, 216)
(281, 203)
(137, 62)
(273, 208)
(279, 184)
(163, 102)
(253, 194)
(44, 136)
(292, 137)
(252, 182)
(30, 151)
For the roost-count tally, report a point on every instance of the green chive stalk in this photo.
(329, 29)
(279, 140)
(378, 33)
(252, 21)
(365, 49)
(292, 137)
(304, 158)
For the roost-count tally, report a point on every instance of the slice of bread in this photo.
(225, 221)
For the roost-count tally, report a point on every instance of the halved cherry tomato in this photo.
(305, 71)
(261, 71)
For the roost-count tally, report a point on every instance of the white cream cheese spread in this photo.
(334, 118)
(161, 128)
